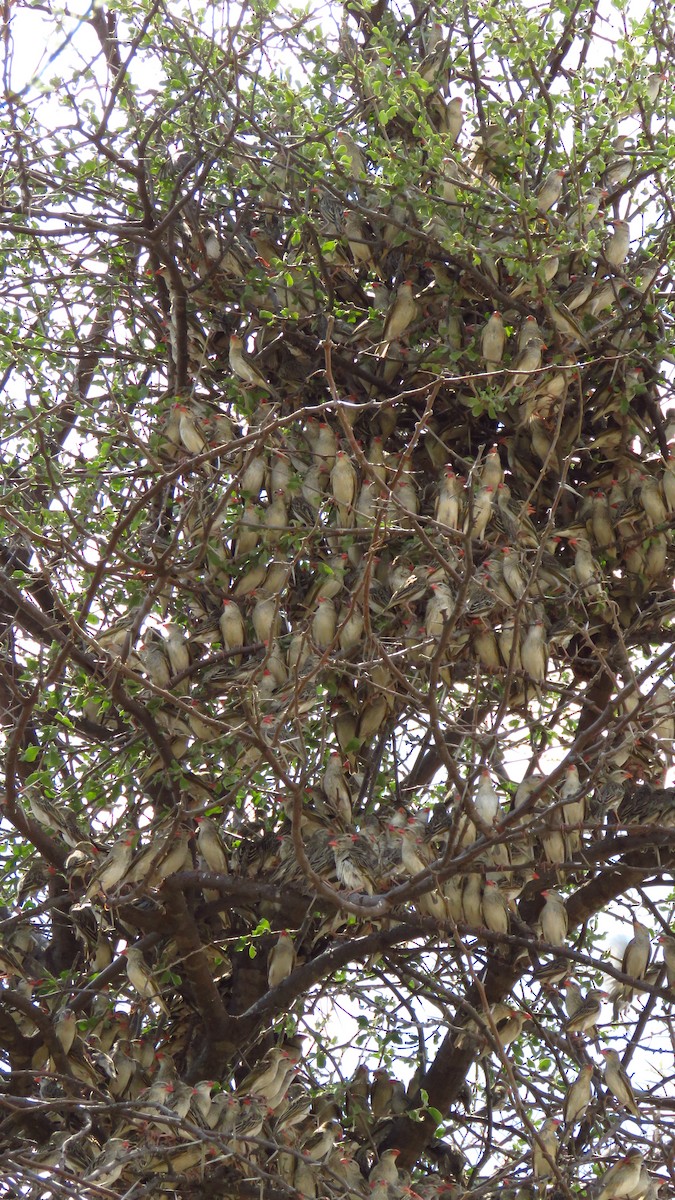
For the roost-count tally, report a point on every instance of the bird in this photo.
(453, 119)
(545, 1148)
(534, 652)
(155, 662)
(472, 900)
(587, 570)
(513, 575)
(324, 623)
(343, 479)
(114, 867)
(335, 786)
(191, 433)
(177, 648)
(399, 317)
(495, 908)
(351, 154)
(576, 295)
(65, 1028)
(553, 919)
(549, 191)
(383, 1092)
(623, 1179)
(492, 342)
(573, 810)
(438, 610)
(210, 845)
(578, 1096)
(586, 1016)
(261, 1081)
(319, 1142)
(232, 628)
(110, 1163)
(479, 512)
(528, 332)
(618, 1082)
(449, 500)
(385, 1168)
(615, 250)
(636, 958)
(528, 360)
(358, 240)
(281, 959)
(486, 799)
(509, 1023)
(242, 366)
(141, 978)
(265, 616)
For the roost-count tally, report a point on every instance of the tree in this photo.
(337, 603)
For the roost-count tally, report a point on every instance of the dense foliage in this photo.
(336, 601)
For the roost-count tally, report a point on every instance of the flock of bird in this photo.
(414, 448)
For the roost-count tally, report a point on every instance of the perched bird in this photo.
(344, 481)
(549, 191)
(400, 315)
(513, 575)
(141, 978)
(545, 1149)
(573, 996)
(265, 616)
(242, 366)
(574, 810)
(453, 119)
(319, 1142)
(472, 900)
(335, 786)
(479, 512)
(486, 799)
(384, 1093)
(324, 623)
(358, 239)
(578, 292)
(449, 501)
(114, 867)
(262, 1080)
(177, 649)
(281, 960)
(585, 1017)
(526, 363)
(65, 1028)
(623, 1179)
(492, 347)
(351, 154)
(190, 431)
(615, 251)
(495, 908)
(232, 628)
(534, 653)
(385, 1168)
(110, 1163)
(509, 1024)
(618, 1082)
(155, 662)
(635, 960)
(211, 846)
(553, 919)
(578, 1096)
(439, 609)
(528, 332)
(349, 872)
